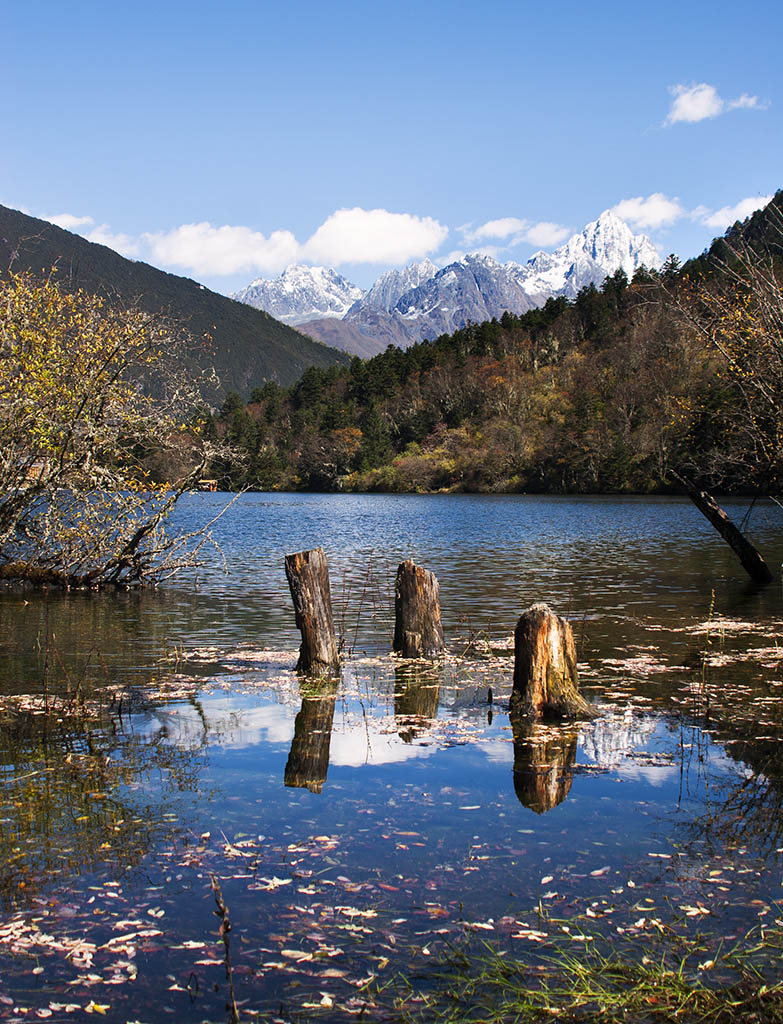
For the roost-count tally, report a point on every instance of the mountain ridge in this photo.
(244, 345)
(421, 301)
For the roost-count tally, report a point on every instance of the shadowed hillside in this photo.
(243, 344)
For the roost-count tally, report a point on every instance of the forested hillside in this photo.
(629, 388)
(243, 344)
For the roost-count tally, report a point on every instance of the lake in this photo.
(359, 829)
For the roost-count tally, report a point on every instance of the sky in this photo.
(225, 141)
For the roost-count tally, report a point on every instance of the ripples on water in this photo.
(356, 830)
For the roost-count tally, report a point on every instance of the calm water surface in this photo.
(356, 829)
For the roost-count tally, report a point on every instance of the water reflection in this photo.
(76, 797)
(544, 757)
(308, 760)
(416, 697)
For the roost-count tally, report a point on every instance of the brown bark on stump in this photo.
(418, 631)
(546, 681)
(308, 578)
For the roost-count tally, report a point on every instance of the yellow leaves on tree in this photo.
(78, 420)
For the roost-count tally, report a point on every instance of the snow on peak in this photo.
(302, 293)
(391, 286)
(603, 247)
(422, 301)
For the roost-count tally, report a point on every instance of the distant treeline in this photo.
(621, 390)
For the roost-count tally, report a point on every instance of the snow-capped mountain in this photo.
(391, 286)
(477, 288)
(302, 293)
(605, 246)
(474, 288)
(421, 301)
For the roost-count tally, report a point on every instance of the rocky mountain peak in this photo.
(420, 301)
(302, 293)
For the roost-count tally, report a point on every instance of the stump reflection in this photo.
(416, 696)
(308, 759)
(544, 757)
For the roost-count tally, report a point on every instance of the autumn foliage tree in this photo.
(737, 313)
(739, 316)
(85, 400)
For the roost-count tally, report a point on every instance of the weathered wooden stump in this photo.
(308, 578)
(418, 631)
(546, 681)
(544, 758)
(308, 759)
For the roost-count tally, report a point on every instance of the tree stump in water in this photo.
(308, 578)
(418, 632)
(546, 681)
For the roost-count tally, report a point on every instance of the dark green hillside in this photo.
(247, 345)
(762, 231)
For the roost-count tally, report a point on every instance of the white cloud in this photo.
(700, 102)
(654, 211)
(495, 252)
(746, 102)
(126, 245)
(727, 215)
(500, 228)
(69, 221)
(230, 249)
(516, 231)
(545, 233)
(451, 257)
(694, 103)
(373, 236)
(347, 236)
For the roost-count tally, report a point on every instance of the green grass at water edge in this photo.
(660, 983)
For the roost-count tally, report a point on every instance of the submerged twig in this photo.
(225, 929)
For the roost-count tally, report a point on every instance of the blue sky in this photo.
(222, 141)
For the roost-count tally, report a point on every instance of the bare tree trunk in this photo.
(418, 631)
(546, 681)
(752, 562)
(308, 578)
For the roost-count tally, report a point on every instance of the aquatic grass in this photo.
(663, 982)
